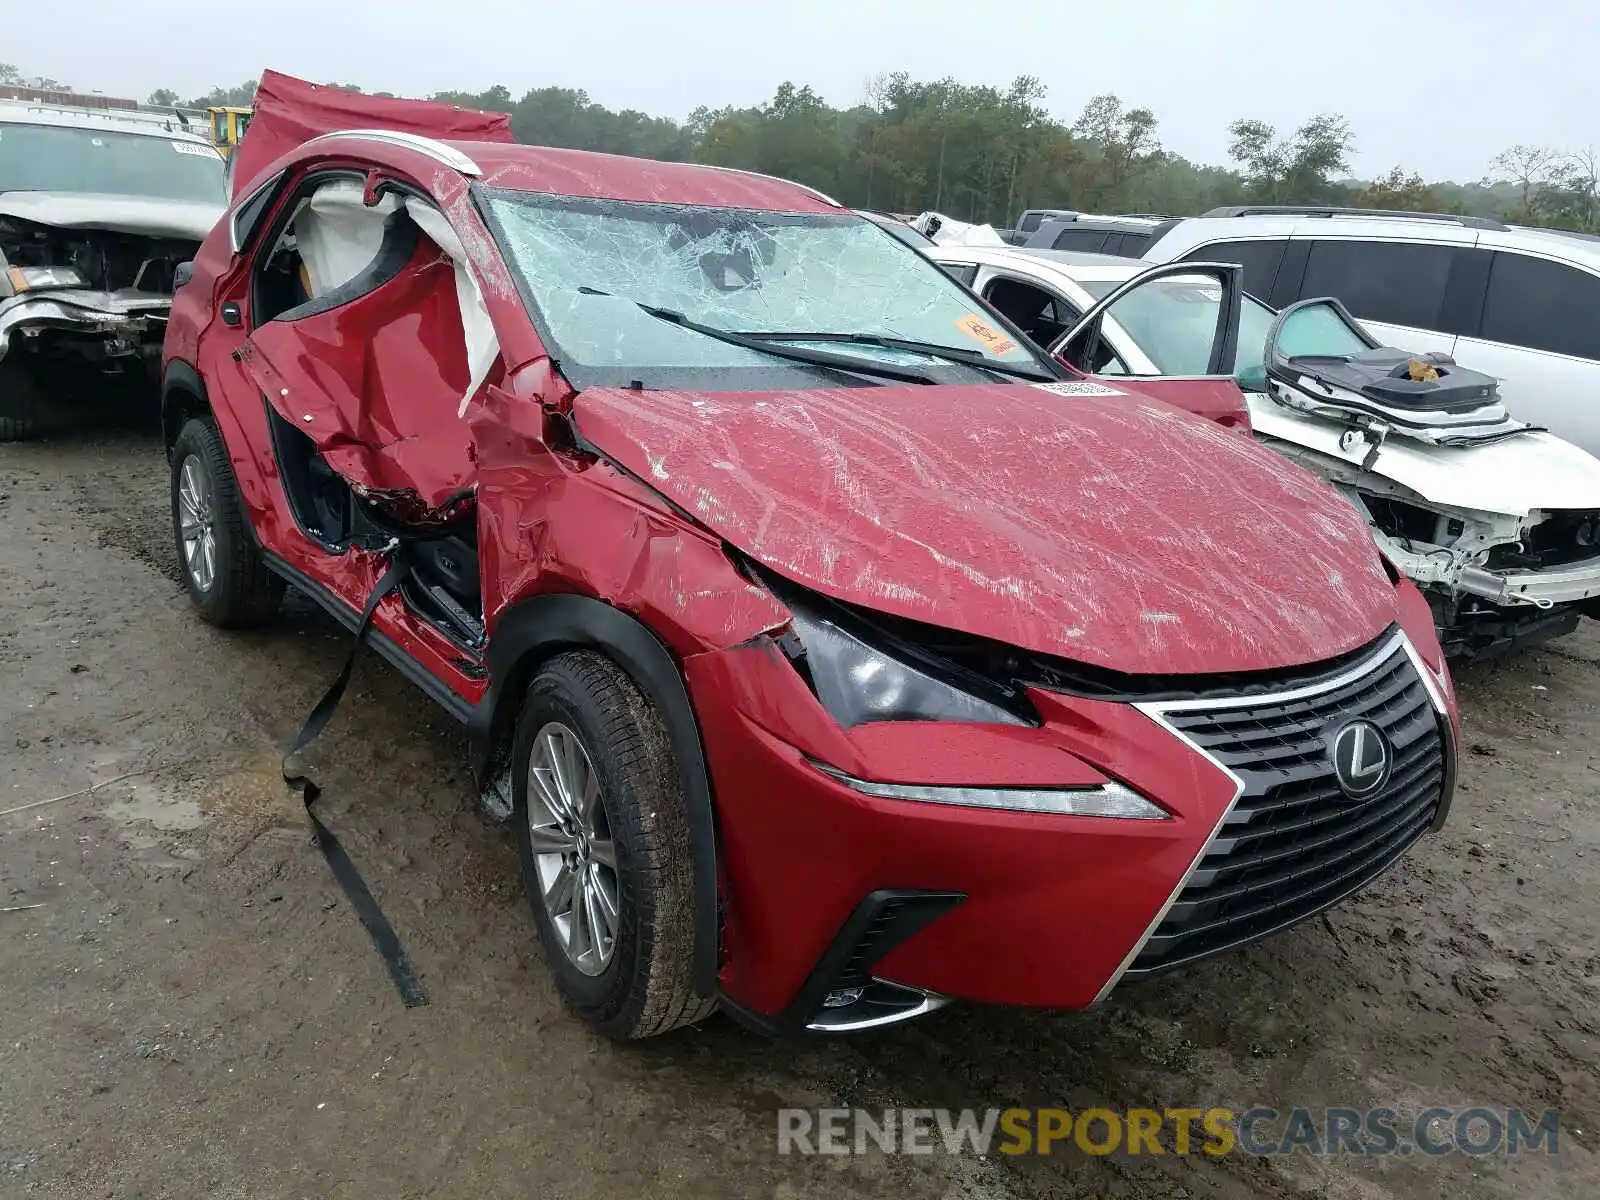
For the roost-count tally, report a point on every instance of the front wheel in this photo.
(222, 567)
(21, 402)
(603, 831)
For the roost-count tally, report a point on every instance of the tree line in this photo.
(981, 153)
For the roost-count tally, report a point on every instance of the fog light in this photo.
(843, 998)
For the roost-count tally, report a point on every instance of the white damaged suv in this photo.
(1520, 304)
(1497, 521)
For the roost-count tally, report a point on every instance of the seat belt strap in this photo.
(344, 870)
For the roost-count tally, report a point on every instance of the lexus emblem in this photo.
(1361, 759)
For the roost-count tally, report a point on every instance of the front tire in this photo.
(222, 567)
(21, 402)
(603, 831)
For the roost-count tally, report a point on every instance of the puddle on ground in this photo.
(168, 807)
(254, 791)
(190, 795)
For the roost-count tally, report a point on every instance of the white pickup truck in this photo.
(97, 210)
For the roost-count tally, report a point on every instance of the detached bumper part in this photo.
(1544, 588)
(118, 315)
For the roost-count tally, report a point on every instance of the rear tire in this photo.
(586, 731)
(21, 402)
(222, 567)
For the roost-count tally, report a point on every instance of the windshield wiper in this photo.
(965, 355)
(817, 358)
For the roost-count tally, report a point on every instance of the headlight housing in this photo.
(858, 683)
(35, 279)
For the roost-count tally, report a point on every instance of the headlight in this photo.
(858, 684)
(1103, 800)
(33, 279)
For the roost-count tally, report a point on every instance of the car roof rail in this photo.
(1559, 232)
(434, 149)
(1333, 210)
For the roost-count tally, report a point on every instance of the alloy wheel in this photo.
(574, 855)
(197, 523)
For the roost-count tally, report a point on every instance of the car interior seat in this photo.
(1029, 309)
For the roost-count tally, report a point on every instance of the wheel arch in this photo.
(533, 631)
(183, 395)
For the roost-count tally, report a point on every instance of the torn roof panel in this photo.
(289, 112)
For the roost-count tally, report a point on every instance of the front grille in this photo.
(1294, 843)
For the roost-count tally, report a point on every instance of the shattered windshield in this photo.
(57, 158)
(587, 265)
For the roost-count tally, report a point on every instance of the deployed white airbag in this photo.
(947, 231)
(338, 235)
(482, 345)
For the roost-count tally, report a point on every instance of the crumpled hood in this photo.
(117, 214)
(1113, 529)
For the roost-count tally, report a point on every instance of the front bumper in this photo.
(123, 320)
(1003, 907)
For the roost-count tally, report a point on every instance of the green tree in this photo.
(1124, 146)
(163, 98)
(9, 73)
(1294, 170)
(496, 99)
(241, 96)
(1401, 190)
(1528, 167)
(1566, 197)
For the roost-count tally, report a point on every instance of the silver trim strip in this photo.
(436, 150)
(1157, 711)
(931, 1002)
(1052, 801)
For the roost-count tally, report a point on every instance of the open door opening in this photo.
(1183, 320)
(371, 339)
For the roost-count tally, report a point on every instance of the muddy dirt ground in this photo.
(189, 1007)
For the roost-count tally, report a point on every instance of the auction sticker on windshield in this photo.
(986, 335)
(1079, 388)
(194, 148)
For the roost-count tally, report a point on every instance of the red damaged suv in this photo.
(839, 653)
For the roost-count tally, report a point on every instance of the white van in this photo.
(1520, 304)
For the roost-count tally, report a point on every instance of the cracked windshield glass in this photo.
(588, 266)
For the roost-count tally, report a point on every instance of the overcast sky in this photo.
(1440, 86)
